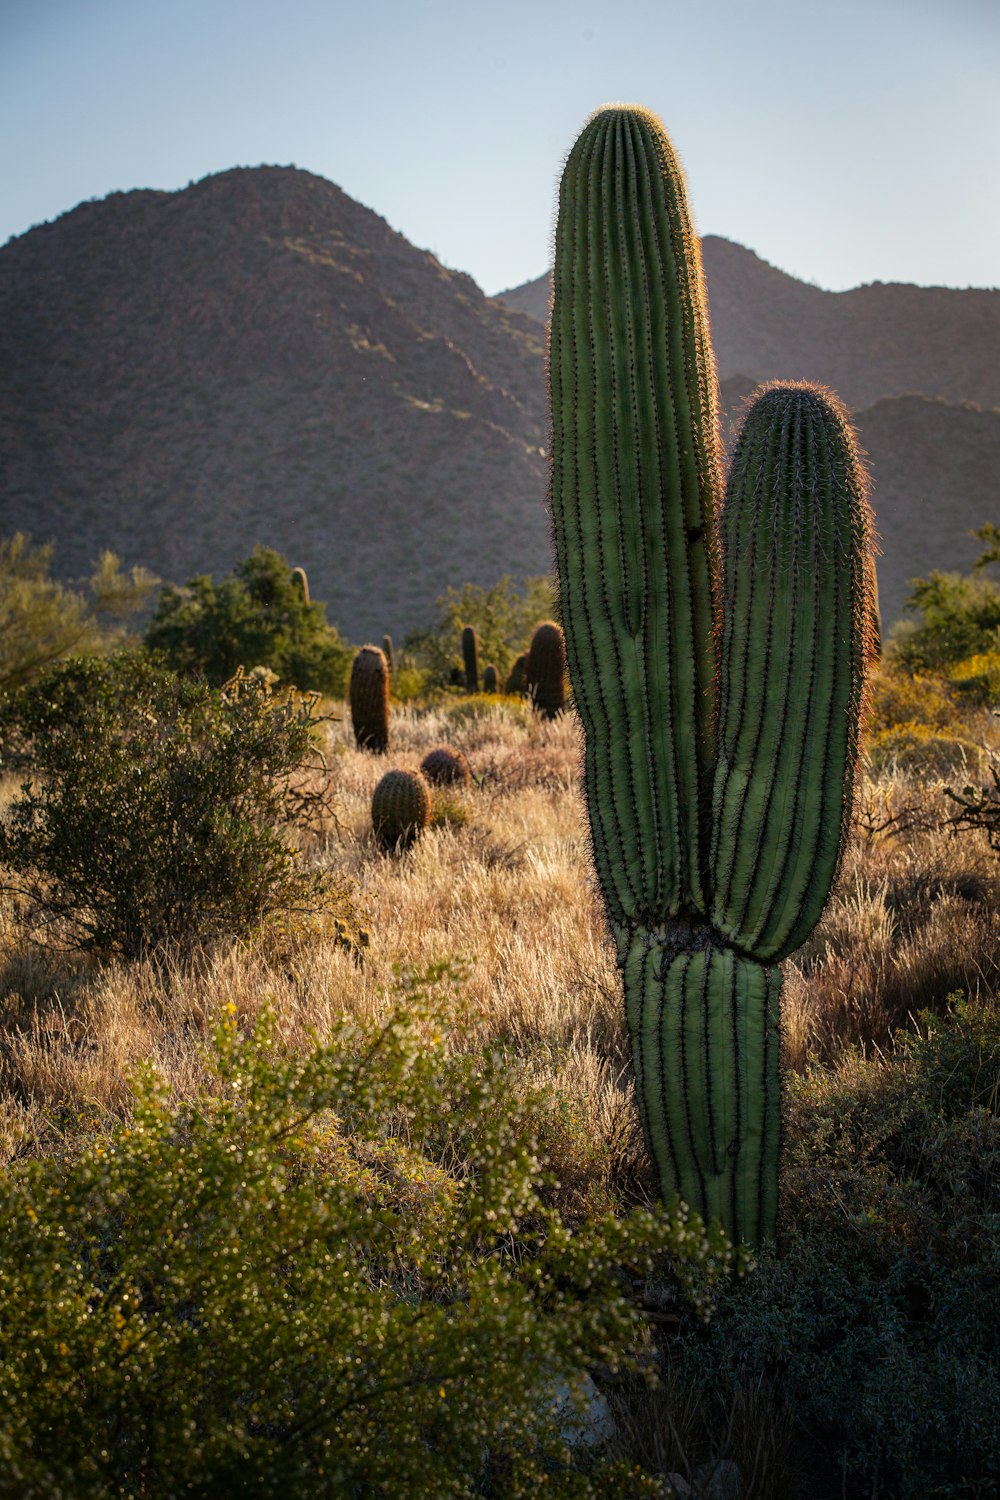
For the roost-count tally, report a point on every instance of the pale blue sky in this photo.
(844, 142)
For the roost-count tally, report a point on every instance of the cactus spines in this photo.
(470, 658)
(401, 809)
(446, 766)
(491, 679)
(301, 582)
(387, 650)
(545, 671)
(369, 698)
(717, 654)
(516, 682)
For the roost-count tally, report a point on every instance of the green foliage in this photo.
(154, 817)
(505, 616)
(42, 621)
(258, 616)
(879, 1319)
(958, 616)
(328, 1274)
(976, 680)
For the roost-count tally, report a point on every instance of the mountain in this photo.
(881, 340)
(259, 358)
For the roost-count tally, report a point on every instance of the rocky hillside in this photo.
(259, 358)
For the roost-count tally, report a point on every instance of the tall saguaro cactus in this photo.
(717, 651)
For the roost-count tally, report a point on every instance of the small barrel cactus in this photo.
(369, 697)
(517, 681)
(445, 766)
(470, 658)
(491, 679)
(401, 809)
(301, 582)
(545, 675)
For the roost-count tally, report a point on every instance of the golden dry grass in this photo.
(502, 882)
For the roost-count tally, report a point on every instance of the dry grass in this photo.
(502, 883)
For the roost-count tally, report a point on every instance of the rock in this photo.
(718, 1480)
(584, 1417)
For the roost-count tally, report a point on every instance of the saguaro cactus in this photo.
(301, 582)
(470, 659)
(545, 671)
(717, 654)
(369, 697)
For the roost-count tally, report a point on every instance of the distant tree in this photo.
(955, 615)
(989, 535)
(258, 616)
(504, 617)
(42, 621)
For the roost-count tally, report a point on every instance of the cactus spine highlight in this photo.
(720, 699)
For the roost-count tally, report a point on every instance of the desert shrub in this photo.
(978, 807)
(504, 617)
(42, 621)
(977, 679)
(956, 616)
(922, 750)
(258, 616)
(878, 1319)
(326, 1274)
(897, 698)
(155, 815)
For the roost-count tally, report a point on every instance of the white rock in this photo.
(584, 1417)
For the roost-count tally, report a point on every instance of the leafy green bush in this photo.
(258, 616)
(328, 1274)
(958, 615)
(977, 678)
(154, 817)
(879, 1319)
(42, 621)
(504, 617)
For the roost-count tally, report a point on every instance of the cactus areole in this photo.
(717, 646)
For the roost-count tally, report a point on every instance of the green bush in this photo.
(503, 616)
(155, 815)
(879, 1319)
(257, 617)
(327, 1274)
(957, 616)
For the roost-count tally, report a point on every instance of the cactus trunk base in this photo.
(703, 1020)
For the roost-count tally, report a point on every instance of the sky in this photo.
(845, 142)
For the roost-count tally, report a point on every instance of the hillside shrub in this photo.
(956, 616)
(878, 1319)
(896, 697)
(155, 814)
(922, 750)
(259, 616)
(503, 616)
(328, 1274)
(977, 679)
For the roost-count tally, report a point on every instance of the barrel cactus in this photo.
(545, 672)
(717, 650)
(446, 766)
(517, 681)
(369, 698)
(401, 809)
(470, 658)
(491, 679)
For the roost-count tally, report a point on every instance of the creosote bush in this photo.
(330, 1273)
(154, 816)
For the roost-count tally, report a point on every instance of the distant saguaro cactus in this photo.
(491, 679)
(401, 809)
(470, 658)
(387, 650)
(517, 681)
(717, 652)
(301, 581)
(369, 698)
(545, 674)
(446, 766)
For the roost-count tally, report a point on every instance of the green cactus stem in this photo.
(470, 658)
(491, 679)
(301, 582)
(369, 699)
(446, 766)
(387, 650)
(717, 664)
(545, 672)
(401, 809)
